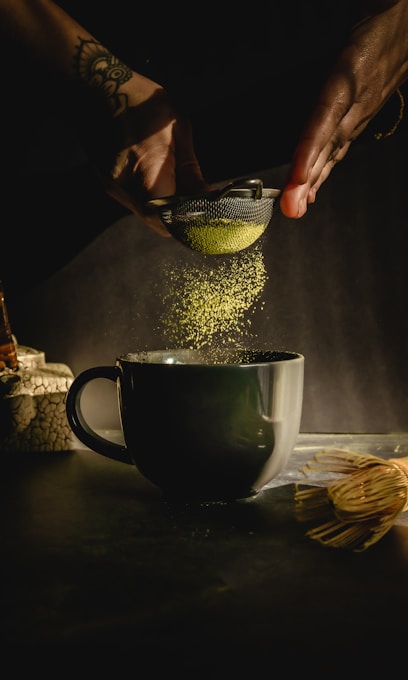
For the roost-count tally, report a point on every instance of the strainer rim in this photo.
(168, 201)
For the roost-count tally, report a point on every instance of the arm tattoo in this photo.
(97, 67)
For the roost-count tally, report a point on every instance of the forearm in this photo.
(43, 29)
(65, 51)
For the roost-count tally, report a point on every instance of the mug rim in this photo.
(249, 357)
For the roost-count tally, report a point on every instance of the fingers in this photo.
(364, 77)
(173, 167)
(309, 170)
(324, 142)
(296, 198)
(162, 163)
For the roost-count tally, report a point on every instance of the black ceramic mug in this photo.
(202, 426)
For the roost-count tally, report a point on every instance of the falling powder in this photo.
(211, 304)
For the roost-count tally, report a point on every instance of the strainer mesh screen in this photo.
(200, 212)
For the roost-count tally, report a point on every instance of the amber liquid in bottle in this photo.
(8, 353)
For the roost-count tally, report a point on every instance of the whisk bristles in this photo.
(358, 507)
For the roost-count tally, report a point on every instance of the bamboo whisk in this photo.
(360, 505)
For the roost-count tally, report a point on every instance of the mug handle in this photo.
(79, 425)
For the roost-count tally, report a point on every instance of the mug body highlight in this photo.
(201, 429)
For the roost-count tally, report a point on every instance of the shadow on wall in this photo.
(335, 290)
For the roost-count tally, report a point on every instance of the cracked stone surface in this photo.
(32, 405)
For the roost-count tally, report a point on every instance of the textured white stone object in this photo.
(32, 405)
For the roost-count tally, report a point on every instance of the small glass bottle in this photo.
(8, 352)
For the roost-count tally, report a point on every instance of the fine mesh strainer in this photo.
(221, 221)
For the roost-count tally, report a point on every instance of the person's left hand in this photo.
(141, 145)
(370, 68)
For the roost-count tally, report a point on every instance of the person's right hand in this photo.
(370, 68)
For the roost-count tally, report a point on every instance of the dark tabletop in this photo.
(94, 559)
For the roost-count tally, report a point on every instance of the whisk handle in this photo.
(401, 462)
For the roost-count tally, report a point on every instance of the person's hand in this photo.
(370, 68)
(142, 147)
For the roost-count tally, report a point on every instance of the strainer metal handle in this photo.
(247, 188)
(241, 188)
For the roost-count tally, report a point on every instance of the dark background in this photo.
(84, 280)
